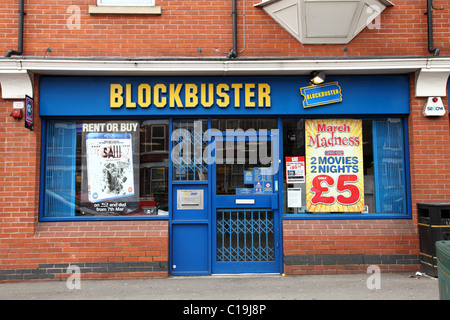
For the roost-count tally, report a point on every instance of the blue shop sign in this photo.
(264, 96)
(318, 95)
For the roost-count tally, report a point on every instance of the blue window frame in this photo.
(274, 97)
(386, 173)
(104, 170)
(385, 160)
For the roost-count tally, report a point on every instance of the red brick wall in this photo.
(429, 139)
(349, 246)
(29, 247)
(185, 26)
(43, 250)
(19, 176)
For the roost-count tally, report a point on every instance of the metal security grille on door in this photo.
(245, 236)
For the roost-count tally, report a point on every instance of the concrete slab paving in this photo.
(389, 286)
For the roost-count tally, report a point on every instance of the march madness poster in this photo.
(334, 165)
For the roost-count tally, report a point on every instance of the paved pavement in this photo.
(388, 286)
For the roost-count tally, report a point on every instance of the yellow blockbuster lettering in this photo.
(191, 99)
(249, 94)
(116, 100)
(144, 95)
(192, 95)
(264, 95)
(207, 103)
(225, 101)
(129, 103)
(159, 101)
(237, 94)
(174, 95)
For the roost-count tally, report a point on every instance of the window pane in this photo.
(383, 165)
(158, 137)
(158, 131)
(60, 159)
(231, 175)
(154, 164)
(294, 146)
(188, 150)
(242, 149)
(390, 185)
(104, 168)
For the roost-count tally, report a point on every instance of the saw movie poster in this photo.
(110, 168)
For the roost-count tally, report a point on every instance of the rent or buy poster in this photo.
(334, 165)
(110, 167)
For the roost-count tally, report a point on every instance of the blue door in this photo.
(244, 213)
(224, 215)
(190, 210)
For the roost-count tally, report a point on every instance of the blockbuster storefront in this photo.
(225, 160)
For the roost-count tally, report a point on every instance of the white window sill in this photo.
(93, 9)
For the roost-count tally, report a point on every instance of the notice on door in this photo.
(190, 199)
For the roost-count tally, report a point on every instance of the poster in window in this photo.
(295, 169)
(334, 165)
(110, 164)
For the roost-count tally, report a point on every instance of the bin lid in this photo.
(433, 204)
(443, 252)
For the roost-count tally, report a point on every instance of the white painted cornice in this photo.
(15, 72)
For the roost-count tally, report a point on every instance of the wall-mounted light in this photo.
(317, 77)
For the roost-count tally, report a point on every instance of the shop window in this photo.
(105, 169)
(158, 142)
(241, 156)
(230, 176)
(384, 190)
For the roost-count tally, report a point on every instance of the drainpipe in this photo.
(431, 49)
(233, 53)
(19, 51)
